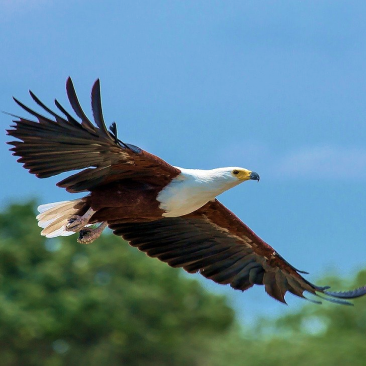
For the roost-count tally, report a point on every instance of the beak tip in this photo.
(254, 176)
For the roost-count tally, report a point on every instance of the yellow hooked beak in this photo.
(245, 174)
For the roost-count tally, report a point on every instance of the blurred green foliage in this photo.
(102, 304)
(62, 303)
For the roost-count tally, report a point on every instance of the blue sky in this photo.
(278, 87)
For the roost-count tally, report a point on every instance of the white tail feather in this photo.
(54, 217)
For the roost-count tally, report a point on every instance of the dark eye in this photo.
(235, 172)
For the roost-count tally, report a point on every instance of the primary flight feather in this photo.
(167, 212)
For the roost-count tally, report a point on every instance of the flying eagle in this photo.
(167, 212)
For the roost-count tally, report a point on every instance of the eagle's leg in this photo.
(87, 236)
(76, 222)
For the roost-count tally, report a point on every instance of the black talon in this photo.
(83, 233)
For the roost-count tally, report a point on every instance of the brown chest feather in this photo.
(125, 201)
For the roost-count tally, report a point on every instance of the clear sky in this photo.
(278, 87)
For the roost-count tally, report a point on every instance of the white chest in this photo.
(191, 190)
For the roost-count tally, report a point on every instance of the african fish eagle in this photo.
(167, 212)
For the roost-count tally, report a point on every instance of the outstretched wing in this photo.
(52, 146)
(215, 243)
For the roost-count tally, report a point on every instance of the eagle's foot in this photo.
(76, 222)
(87, 236)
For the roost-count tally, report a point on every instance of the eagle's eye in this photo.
(236, 172)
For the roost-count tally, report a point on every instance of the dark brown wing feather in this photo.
(55, 145)
(215, 243)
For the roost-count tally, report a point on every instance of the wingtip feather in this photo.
(75, 104)
(96, 103)
(353, 294)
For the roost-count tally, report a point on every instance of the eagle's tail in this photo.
(54, 217)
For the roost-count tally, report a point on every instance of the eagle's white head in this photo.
(231, 174)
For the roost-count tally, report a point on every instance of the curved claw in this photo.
(87, 236)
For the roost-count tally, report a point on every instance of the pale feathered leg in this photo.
(87, 236)
(76, 223)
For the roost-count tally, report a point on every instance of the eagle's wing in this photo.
(215, 243)
(53, 146)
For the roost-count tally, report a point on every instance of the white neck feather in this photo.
(193, 188)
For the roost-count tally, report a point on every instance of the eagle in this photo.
(168, 212)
